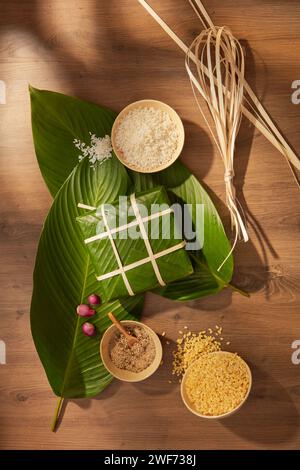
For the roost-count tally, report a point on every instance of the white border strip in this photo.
(142, 261)
(85, 206)
(146, 239)
(121, 269)
(102, 235)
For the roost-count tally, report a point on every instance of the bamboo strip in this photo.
(268, 128)
(263, 117)
(201, 13)
(140, 262)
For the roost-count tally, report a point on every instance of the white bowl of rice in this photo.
(147, 136)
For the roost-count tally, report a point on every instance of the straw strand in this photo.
(219, 55)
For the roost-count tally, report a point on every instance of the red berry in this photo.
(88, 329)
(85, 311)
(94, 299)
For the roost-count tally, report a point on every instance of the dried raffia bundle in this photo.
(220, 64)
(252, 108)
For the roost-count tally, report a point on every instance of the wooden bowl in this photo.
(157, 105)
(190, 406)
(125, 375)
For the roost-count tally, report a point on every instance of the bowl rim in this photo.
(224, 415)
(180, 128)
(158, 349)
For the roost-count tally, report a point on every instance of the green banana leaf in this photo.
(57, 120)
(207, 279)
(63, 275)
(63, 278)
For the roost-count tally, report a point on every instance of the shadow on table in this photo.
(86, 403)
(256, 275)
(269, 416)
(152, 386)
(261, 424)
(251, 276)
(126, 48)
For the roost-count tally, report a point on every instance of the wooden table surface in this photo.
(112, 53)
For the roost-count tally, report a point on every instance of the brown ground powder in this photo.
(134, 359)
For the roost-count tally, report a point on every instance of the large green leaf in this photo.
(57, 120)
(199, 284)
(63, 278)
(207, 278)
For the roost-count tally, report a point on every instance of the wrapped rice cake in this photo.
(135, 244)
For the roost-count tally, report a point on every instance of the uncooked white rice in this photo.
(147, 138)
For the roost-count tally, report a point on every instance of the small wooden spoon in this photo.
(131, 340)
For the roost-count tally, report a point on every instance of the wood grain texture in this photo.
(112, 53)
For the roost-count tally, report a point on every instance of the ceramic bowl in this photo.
(190, 406)
(157, 105)
(125, 375)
